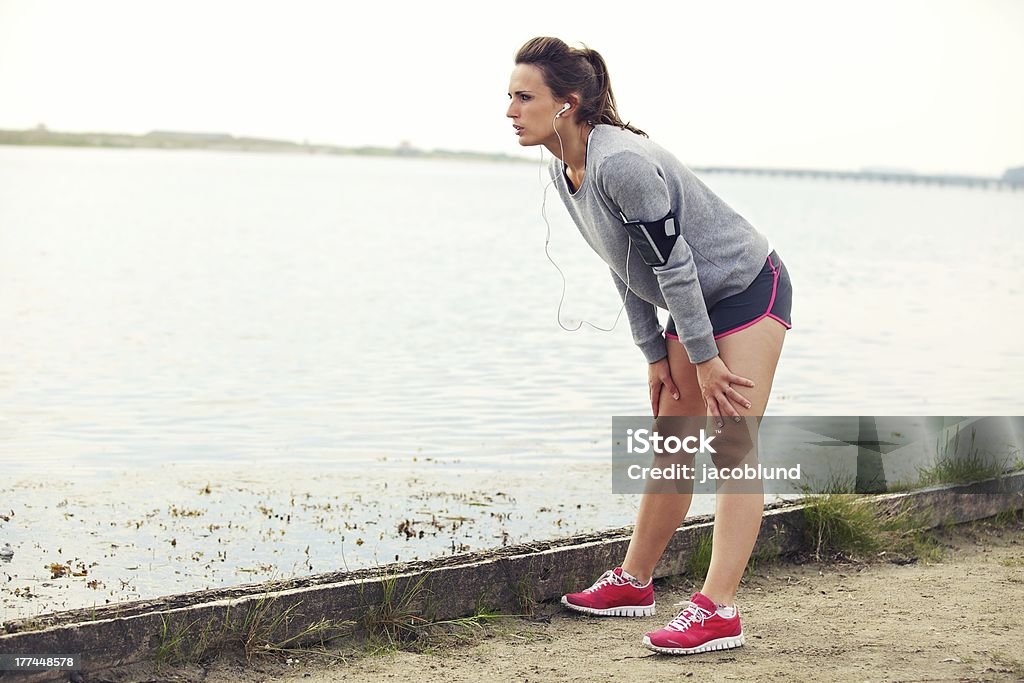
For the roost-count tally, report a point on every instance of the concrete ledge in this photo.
(450, 587)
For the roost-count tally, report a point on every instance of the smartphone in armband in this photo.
(654, 239)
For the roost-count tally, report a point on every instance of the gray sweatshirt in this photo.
(718, 254)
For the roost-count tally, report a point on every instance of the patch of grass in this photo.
(395, 620)
(843, 525)
(261, 631)
(524, 596)
(840, 524)
(836, 523)
(962, 470)
(766, 554)
(834, 484)
(398, 621)
(570, 582)
(170, 645)
(464, 629)
(1009, 518)
(906, 534)
(927, 548)
(699, 561)
(975, 465)
(260, 625)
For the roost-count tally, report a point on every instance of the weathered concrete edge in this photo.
(506, 582)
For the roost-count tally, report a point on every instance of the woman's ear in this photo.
(573, 101)
(569, 107)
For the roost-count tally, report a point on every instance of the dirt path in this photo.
(959, 619)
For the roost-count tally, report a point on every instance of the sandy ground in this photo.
(956, 619)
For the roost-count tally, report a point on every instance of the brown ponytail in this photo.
(568, 70)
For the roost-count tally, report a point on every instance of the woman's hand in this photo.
(716, 382)
(659, 375)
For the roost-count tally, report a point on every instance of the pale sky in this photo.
(930, 85)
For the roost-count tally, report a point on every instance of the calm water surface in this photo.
(216, 368)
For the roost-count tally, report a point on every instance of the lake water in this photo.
(216, 368)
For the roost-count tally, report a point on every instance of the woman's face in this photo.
(533, 107)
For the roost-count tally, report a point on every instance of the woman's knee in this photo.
(736, 443)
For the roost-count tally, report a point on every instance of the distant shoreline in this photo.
(223, 142)
(1012, 180)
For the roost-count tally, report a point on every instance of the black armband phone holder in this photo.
(654, 239)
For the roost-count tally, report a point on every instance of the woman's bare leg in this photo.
(660, 514)
(752, 353)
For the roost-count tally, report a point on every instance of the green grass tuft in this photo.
(975, 465)
(851, 526)
(1009, 517)
(699, 561)
(399, 621)
(766, 554)
(263, 630)
(396, 620)
(838, 524)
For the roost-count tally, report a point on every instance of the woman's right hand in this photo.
(658, 377)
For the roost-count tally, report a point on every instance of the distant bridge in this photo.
(872, 176)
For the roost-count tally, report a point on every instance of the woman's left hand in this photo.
(716, 382)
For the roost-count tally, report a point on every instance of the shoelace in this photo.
(688, 617)
(606, 578)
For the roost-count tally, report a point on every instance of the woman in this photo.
(670, 243)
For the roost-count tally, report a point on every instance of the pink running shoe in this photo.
(698, 628)
(613, 595)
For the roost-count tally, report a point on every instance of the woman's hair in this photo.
(567, 69)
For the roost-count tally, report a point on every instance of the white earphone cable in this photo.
(547, 241)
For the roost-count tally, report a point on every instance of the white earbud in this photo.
(564, 108)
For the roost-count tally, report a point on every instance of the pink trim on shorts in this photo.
(766, 314)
